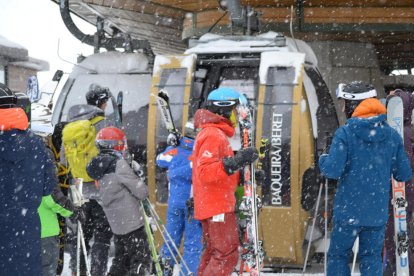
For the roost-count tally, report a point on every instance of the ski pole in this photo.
(171, 250)
(85, 254)
(326, 226)
(356, 248)
(325, 261)
(159, 222)
(78, 251)
(151, 243)
(313, 226)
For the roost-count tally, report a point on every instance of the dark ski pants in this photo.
(50, 255)
(96, 226)
(221, 241)
(178, 225)
(371, 239)
(132, 256)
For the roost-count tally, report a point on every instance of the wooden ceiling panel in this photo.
(358, 3)
(189, 5)
(388, 24)
(168, 23)
(359, 15)
(146, 7)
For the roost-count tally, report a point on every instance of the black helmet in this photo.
(97, 95)
(222, 101)
(7, 98)
(354, 93)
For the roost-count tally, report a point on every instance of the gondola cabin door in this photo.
(172, 74)
(284, 128)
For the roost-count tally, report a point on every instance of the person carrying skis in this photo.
(27, 173)
(96, 224)
(215, 178)
(180, 220)
(364, 154)
(121, 190)
(408, 105)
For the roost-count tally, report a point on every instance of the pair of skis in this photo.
(252, 250)
(395, 118)
(150, 213)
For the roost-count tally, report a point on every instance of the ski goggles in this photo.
(225, 103)
(342, 94)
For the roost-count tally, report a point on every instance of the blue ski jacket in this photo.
(176, 160)
(365, 152)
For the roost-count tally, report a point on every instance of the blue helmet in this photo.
(222, 101)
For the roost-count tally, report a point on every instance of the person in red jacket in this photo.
(215, 178)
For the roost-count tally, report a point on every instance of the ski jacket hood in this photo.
(176, 159)
(204, 118)
(16, 145)
(365, 152)
(213, 188)
(84, 112)
(13, 118)
(369, 129)
(102, 164)
(120, 192)
(369, 108)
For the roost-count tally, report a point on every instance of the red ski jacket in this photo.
(213, 188)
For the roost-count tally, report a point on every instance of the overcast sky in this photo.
(37, 26)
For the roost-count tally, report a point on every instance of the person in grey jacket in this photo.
(121, 190)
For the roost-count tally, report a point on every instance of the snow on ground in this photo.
(316, 270)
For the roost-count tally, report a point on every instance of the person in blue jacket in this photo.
(180, 221)
(364, 154)
(27, 173)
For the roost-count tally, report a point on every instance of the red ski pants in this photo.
(221, 241)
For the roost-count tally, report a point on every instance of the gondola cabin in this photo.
(294, 113)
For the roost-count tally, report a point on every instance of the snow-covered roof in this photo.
(12, 50)
(33, 63)
(270, 41)
(112, 63)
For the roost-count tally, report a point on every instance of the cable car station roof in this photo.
(167, 24)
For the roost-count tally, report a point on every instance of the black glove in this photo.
(190, 208)
(260, 176)
(242, 158)
(78, 215)
(173, 139)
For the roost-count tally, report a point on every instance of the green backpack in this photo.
(78, 140)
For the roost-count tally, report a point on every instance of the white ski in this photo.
(163, 101)
(395, 118)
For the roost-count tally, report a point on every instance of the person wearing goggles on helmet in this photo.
(215, 179)
(363, 155)
(96, 224)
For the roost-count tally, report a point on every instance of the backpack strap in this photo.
(96, 119)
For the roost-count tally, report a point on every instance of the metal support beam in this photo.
(300, 18)
(99, 40)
